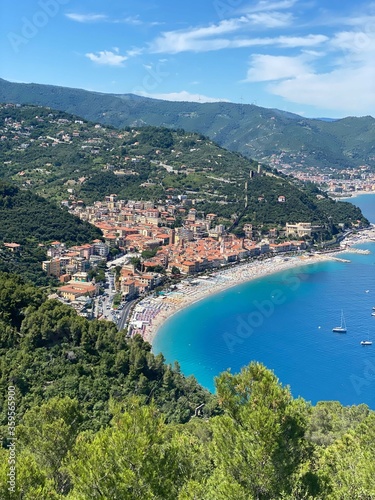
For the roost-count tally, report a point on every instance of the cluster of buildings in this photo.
(71, 266)
(336, 181)
(199, 244)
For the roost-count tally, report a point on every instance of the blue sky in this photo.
(314, 58)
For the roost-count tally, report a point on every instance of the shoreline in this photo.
(152, 312)
(351, 194)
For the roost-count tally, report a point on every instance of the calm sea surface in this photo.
(285, 321)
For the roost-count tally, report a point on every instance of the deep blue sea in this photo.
(285, 321)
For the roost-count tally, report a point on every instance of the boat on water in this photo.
(366, 342)
(342, 327)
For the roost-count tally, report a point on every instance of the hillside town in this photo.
(141, 229)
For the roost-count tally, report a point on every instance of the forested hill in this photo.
(63, 157)
(26, 216)
(253, 131)
(32, 221)
(99, 416)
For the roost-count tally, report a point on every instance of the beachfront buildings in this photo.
(198, 244)
(147, 230)
(151, 247)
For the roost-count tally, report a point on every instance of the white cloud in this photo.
(265, 68)
(357, 44)
(136, 51)
(265, 5)
(344, 84)
(342, 90)
(132, 20)
(107, 57)
(92, 18)
(271, 19)
(180, 96)
(173, 42)
(209, 38)
(280, 41)
(86, 18)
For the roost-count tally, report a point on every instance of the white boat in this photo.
(373, 313)
(342, 327)
(366, 342)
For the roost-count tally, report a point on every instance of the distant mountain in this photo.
(259, 133)
(326, 119)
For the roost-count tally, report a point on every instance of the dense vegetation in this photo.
(31, 221)
(27, 263)
(99, 416)
(62, 157)
(251, 130)
(25, 216)
(48, 350)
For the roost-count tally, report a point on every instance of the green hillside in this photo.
(253, 131)
(32, 221)
(62, 157)
(97, 416)
(25, 216)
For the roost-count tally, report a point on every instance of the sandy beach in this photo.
(354, 194)
(151, 312)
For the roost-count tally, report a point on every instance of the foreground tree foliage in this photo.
(47, 351)
(100, 417)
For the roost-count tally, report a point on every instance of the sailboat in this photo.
(342, 327)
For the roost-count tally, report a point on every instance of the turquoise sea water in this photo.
(285, 321)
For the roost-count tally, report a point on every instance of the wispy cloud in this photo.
(131, 20)
(198, 38)
(86, 18)
(234, 32)
(135, 51)
(271, 19)
(107, 57)
(196, 41)
(265, 5)
(96, 18)
(181, 96)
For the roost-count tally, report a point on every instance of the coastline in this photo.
(152, 312)
(352, 194)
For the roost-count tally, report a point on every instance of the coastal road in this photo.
(124, 314)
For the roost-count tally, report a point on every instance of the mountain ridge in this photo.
(264, 134)
(62, 158)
